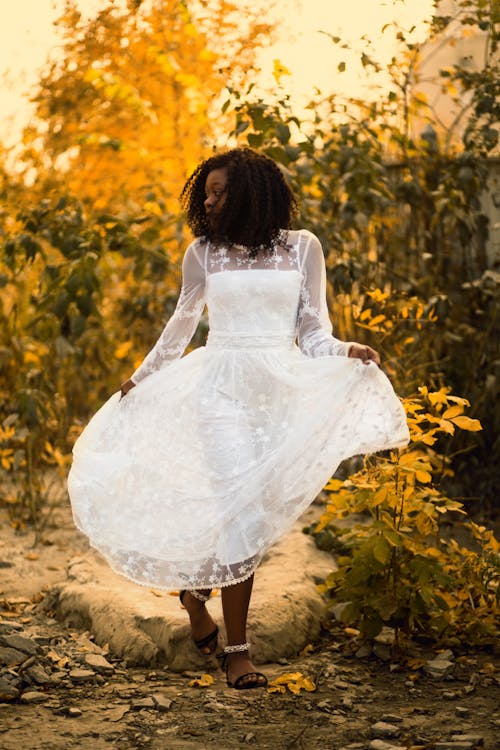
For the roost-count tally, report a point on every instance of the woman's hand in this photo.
(365, 353)
(126, 387)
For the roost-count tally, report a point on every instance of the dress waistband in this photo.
(246, 340)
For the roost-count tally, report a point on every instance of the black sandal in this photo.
(210, 640)
(258, 680)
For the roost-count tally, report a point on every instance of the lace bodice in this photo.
(250, 297)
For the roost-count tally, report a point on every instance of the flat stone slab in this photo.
(148, 627)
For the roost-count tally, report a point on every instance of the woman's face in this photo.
(215, 190)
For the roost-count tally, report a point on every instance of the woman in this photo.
(211, 457)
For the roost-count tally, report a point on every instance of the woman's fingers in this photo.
(365, 353)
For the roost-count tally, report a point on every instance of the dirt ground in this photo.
(359, 701)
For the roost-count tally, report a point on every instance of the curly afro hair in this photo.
(258, 202)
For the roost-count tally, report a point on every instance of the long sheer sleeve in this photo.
(180, 328)
(314, 328)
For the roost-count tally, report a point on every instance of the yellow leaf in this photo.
(334, 485)
(409, 458)
(380, 496)
(307, 650)
(279, 70)
(453, 411)
(272, 688)
(447, 426)
(439, 397)
(428, 439)
(203, 680)
(294, 681)
(423, 476)
(31, 358)
(122, 350)
(376, 320)
(32, 556)
(156, 593)
(466, 423)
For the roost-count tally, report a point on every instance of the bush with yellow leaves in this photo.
(397, 568)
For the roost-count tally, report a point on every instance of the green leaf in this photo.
(381, 550)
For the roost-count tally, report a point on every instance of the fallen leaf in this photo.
(32, 556)
(294, 681)
(351, 632)
(156, 593)
(203, 680)
(307, 650)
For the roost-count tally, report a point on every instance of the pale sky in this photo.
(27, 37)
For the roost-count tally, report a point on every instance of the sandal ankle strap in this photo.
(236, 648)
(197, 595)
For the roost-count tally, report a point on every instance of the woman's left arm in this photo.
(314, 328)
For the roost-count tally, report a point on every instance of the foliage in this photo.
(124, 114)
(404, 215)
(396, 569)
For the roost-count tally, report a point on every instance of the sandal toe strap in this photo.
(257, 680)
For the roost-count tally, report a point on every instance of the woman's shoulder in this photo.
(196, 247)
(295, 235)
(303, 240)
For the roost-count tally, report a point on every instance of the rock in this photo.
(446, 655)
(56, 677)
(99, 664)
(32, 696)
(462, 711)
(363, 651)
(116, 713)
(141, 703)
(382, 651)
(453, 746)
(449, 695)
(8, 692)
(338, 609)
(21, 643)
(10, 656)
(476, 739)
(74, 712)
(381, 745)
(81, 675)
(37, 674)
(6, 564)
(7, 626)
(386, 636)
(438, 667)
(391, 718)
(162, 703)
(382, 729)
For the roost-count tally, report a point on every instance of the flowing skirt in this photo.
(199, 469)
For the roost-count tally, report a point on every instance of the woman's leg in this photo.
(235, 603)
(201, 622)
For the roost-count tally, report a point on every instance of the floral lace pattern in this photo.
(188, 480)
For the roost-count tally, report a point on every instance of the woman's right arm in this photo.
(180, 328)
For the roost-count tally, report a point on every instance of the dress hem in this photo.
(171, 589)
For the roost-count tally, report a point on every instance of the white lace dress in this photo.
(199, 469)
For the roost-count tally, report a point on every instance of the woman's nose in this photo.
(209, 203)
